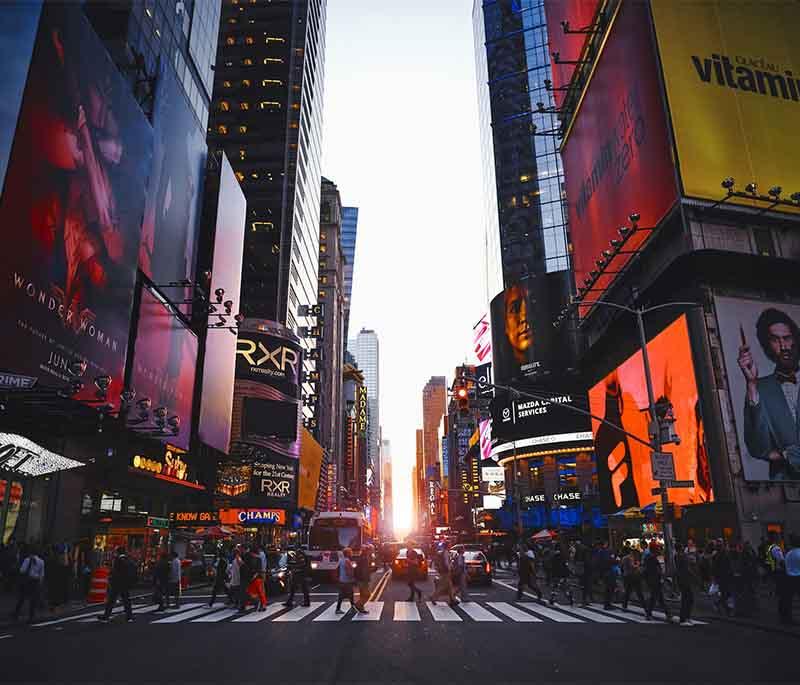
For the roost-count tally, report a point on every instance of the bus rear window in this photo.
(326, 537)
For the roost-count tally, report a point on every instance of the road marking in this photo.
(185, 615)
(257, 616)
(216, 616)
(330, 614)
(591, 615)
(476, 612)
(552, 614)
(5, 637)
(82, 617)
(380, 586)
(513, 613)
(298, 613)
(406, 611)
(627, 615)
(119, 610)
(662, 616)
(442, 612)
(375, 610)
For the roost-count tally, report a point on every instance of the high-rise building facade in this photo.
(434, 405)
(387, 507)
(522, 166)
(349, 233)
(366, 351)
(419, 483)
(267, 116)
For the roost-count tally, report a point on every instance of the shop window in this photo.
(110, 502)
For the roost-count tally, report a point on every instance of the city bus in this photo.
(330, 533)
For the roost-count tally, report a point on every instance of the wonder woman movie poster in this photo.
(164, 364)
(71, 211)
(624, 470)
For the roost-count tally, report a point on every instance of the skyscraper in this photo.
(365, 349)
(349, 231)
(387, 508)
(267, 115)
(524, 176)
(434, 405)
(419, 483)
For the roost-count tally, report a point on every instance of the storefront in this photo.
(270, 528)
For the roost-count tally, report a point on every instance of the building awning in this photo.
(26, 458)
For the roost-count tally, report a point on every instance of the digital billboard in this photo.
(732, 73)
(482, 340)
(525, 345)
(311, 454)
(164, 364)
(624, 471)
(761, 347)
(266, 480)
(175, 189)
(219, 362)
(616, 155)
(72, 211)
(579, 14)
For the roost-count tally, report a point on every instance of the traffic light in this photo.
(462, 398)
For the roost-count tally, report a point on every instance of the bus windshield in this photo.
(325, 536)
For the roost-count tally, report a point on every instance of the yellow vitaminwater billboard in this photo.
(732, 72)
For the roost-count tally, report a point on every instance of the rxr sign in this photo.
(257, 355)
(275, 488)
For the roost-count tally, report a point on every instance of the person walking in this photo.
(30, 579)
(123, 578)
(346, 579)
(298, 567)
(559, 574)
(245, 578)
(587, 579)
(362, 574)
(459, 575)
(412, 568)
(631, 578)
(444, 583)
(789, 582)
(527, 571)
(722, 572)
(255, 588)
(684, 576)
(235, 572)
(653, 576)
(220, 579)
(161, 582)
(174, 584)
(604, 565)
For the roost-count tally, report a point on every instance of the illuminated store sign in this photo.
(253, 516)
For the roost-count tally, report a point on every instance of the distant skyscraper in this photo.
(434, 406)
(349, 231)
(420, 509)
(366, 352)
(388, 506)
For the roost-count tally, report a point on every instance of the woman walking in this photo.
(220, 579)
(346, 579)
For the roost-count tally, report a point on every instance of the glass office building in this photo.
(349, 231)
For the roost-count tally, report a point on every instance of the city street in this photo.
(492, 637)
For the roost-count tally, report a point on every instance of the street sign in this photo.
(662, 465)
(673, 484)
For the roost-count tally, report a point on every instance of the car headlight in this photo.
(314, 565)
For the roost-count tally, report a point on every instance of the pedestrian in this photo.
(587, 579)
(444, 583)
(412, 571)
(234, 570)
(220, 579)
(122, 580)
(459, 575)
(362, 574)
(527, 571)
(30, 579)
(604, 565)
(631, 578)
(255, 587)
(684, 576)
(298, 568)
(559, 576)
(346, 579)
(653, 576)
(161, 582)
(174, 584)
(722, 573)
(789, 582)
(246, 577)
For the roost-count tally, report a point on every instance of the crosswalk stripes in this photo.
(660, 615)
(442, 612)
(184, 615)
(476, 612)
(513, 613)
(217, 616)
(627, 615)
(330, 614)
(298, 613)
(552, 614)
(116, 612)
(374, 611)
(406, 611)
(258, 616)
(595, 616)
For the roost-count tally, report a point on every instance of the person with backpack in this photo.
(444, 583)
(31, 577)
(122, 580)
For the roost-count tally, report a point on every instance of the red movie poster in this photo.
(579, 14)
(71, 211)
(164, 363)
(617, 157)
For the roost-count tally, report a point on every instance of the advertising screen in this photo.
(482, 340)
(617, 157)
(175, 189)
(761, 347)
(310, 465)
(733, 85)
(72, 210)
(624, 471)
(525, 344)
(219, 363)
(579, 14)
(164, 364)
(263, 480)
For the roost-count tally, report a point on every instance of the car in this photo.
(479, 570)
(469, 547)
(400, 564)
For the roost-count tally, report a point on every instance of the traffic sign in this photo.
(673, 484)
(662, 465)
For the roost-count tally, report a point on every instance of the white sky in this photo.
(401, 142)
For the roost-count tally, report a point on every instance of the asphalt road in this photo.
(493, 638)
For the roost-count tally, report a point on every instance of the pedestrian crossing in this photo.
(324, 612)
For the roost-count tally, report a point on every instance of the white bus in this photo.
(330, 533)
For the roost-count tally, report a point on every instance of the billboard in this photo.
(525, 344)
(623, 464)
(733, 85)
(482, 340)
(175, 189)
(761, 347)
(617, 158)
(266, 480)
(72, 210)
(164, 364)
(219, 362)
(579, 14)
(311, 454)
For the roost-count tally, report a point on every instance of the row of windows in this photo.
(250, 62)
(251, 40)
(247, 83)
(225, 105)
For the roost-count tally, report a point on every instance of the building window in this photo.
(271, 82)
(268, 104)
(230, 40)
(246, 83)
(321, 294)
(273, 60)
(226, 84)
(243, 129)
(323, 280)
(272, 39)
(240, 176)
(323, 248)
(254, 176)
(242, 154)
(275, 248)
(244, 106)
(249, 40)
(224, 106)
(247, 62)
(222, 129)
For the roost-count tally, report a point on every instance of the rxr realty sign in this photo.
(274, 479)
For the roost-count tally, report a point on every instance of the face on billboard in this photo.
(733, 84)
(624, 470)
(617, 157)
(164, 364)
(72, 210)
(219, 364)
(761, 346)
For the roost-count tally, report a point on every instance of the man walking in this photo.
(790, 582)
(653, 577)
(444, 583)
(220, 579)
(298, 567)
(123, 578)
(631, 578)
(683, 574)
(174, 584)
(161, 581)
(363, 573)
(527, 571)
(412, 559)
(31, 577)
(346, 579)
